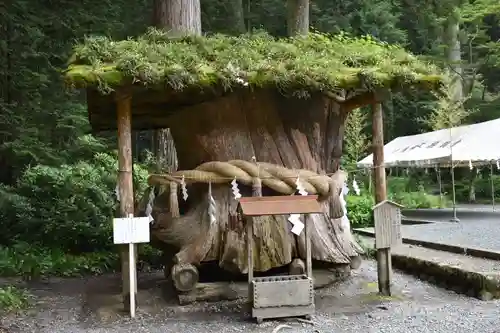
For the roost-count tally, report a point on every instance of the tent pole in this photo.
(438, 171)
(454, 218)
(492, 186)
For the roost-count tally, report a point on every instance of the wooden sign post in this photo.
(383, 254)
(387, 216)
(131, 230)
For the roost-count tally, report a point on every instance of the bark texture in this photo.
(298, 17)
(179, 17)
(166, 155)
(454, 56)
(238, 16)
(291, 132)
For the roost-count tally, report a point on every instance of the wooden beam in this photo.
(383, 255)
(353, 102)
(125, 182)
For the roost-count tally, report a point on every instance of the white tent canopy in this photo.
(476, 144)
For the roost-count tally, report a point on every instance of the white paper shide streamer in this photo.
(470, 165)
(294, 219)
(211, 205)
(149, 206)
(498, 165)
(345, 224)
(184, 189)
(236, 190)
(117, 192)
(300, 188)
(355, 187)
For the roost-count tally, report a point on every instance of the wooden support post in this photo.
(249, 225)
(125, 186)
(307, 237)
(383, 255)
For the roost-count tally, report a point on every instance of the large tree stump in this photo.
(298, 133)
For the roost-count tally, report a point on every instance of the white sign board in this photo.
(387, 216)
(131, 230)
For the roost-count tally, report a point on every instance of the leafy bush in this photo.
(68, 207)
(359, 210)
(32, 262)
(398, 184)
(482, 188)
(418, 199)
(57, 220)
(12, 298)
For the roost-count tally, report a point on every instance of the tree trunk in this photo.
(178, 17)
(166, 155)
(298, 17)
(238, 16)
(472, 187)
(454, 57)
(291, 132)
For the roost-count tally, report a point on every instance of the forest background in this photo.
(57, 181)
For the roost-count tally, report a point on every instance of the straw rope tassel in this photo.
(256, 181)
(174, 201)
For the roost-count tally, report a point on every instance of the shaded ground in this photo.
(77, 306)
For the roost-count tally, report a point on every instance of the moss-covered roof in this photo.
(315, 63)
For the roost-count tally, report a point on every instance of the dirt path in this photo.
(91, 305)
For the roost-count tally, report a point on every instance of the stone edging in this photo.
(473, 284)
(473, 252)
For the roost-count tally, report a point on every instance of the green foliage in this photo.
(477, 10)
(419, 199)
(32, 262)
(57, 196)
(482, 189)
(73, 203)
(405, 191)
(359, 210)
(12, 298)
(378, 18)
(355, 139)
(411, 193)
(448, 111)
(316, 62)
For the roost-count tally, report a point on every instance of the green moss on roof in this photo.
(315, 63)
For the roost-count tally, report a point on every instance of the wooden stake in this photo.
(383, 255)
(132, 272)
(125, 187)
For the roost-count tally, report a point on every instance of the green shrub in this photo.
(398, 184)
(30, 262)
(12, 298)
(359, 210)
(419, 199)
(69, 207)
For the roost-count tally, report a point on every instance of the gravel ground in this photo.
(478, 233)
(351, 306)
